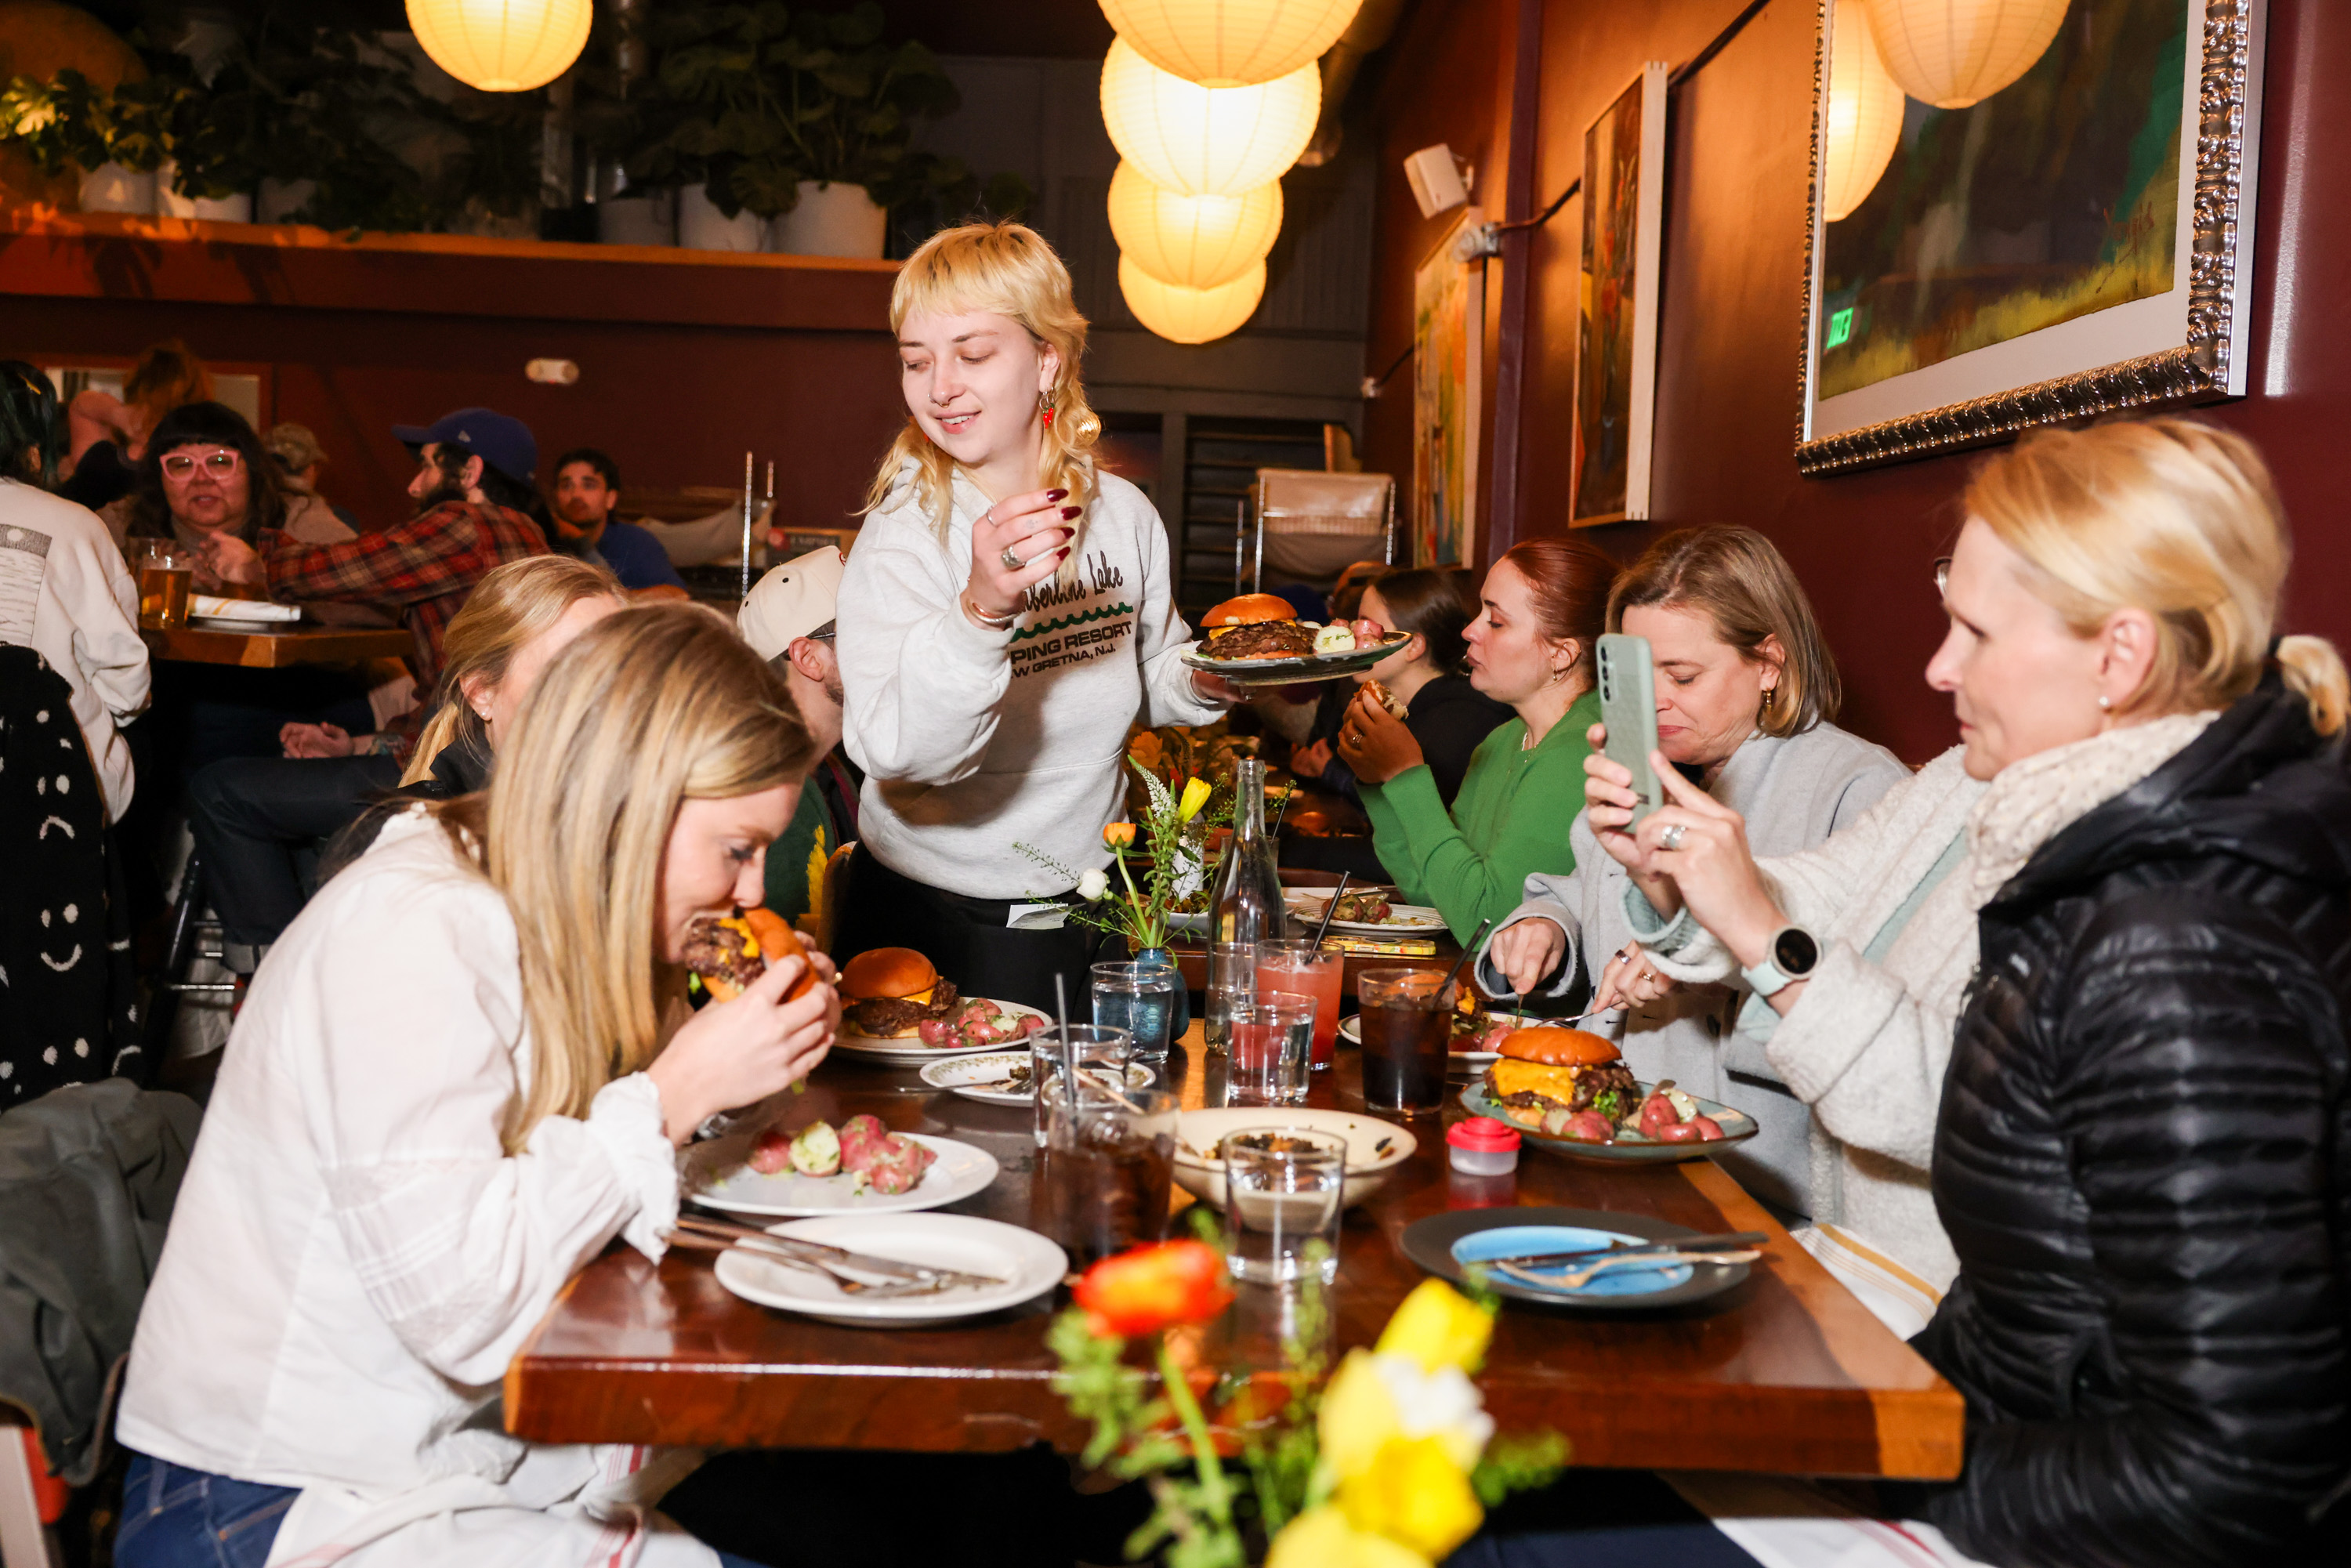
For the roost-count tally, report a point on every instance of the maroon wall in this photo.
(685, 361)
(1726, 399)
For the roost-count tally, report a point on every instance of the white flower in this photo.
(1442, 1403)
(1092, 885)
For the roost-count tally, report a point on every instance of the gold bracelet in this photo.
(993, 623)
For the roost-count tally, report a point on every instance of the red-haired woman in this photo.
(1543, 607)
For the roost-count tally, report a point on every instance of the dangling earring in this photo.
(1763, 710)
(1045, 405)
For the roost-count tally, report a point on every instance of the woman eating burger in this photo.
(1007, 615)
(469, 1070)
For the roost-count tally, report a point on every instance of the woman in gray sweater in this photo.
(1746, 688)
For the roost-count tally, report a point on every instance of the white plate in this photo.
(1028, 1265)
(964, 1073)
(719, 1179)
(241, 623)
(1351, 1030)
(911, 1049)
(1405, 919)
(1375, 1149)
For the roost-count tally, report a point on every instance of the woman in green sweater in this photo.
(1544, 606)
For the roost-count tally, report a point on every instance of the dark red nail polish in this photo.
(1057, 495)
(1070, 511)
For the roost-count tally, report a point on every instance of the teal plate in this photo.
(1737, 1127)
(1449, 1244)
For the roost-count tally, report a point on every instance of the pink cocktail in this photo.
(1297, 966)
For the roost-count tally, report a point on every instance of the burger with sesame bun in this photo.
(1547, 1075)
(1256, 626)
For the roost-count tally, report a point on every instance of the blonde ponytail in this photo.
(1006, 269)
(2313, 671)
(512, 604)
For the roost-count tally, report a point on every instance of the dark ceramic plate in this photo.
(1444, 1243)
(1737, 1127)
(1291, 671)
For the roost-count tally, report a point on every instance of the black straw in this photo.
(1468, 949)
(1331, 909)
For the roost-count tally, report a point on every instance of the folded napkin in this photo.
(214, 607)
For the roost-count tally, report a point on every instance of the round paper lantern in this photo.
(1864, 113)
(1953, 53)
(1190, 315)
(1193, 242)
(1231, 43)
(1205, 141)
(502, 46)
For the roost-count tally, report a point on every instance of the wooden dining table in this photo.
(1786, 1371)
(275, 648)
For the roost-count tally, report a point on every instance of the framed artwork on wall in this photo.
(1448, 338)
(2071, 234)
(1617, 326)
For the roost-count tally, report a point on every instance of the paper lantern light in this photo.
(1190, 315)
(1865, 114)
(1205, 141)
(1231, 43)
(1193, 242)
(1953, 53)
(502, 46)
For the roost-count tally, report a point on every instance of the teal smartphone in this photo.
(1628, 707)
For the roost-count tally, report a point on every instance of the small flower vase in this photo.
(1180, 1012)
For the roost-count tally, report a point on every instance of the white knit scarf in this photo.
(2030, 801)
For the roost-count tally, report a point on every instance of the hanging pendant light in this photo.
(1865, 114)
(1190, 315)
(1193, 242)
(1953, 53)
(1205, 141)
(1231, 43)
(502, 46)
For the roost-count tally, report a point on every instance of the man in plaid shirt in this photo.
(472, 488)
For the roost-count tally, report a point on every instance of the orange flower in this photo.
(1118, 836)
(1147, 1288)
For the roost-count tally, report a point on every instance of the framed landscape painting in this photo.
(1448, 334)
(1617, 326)
(2076, 241)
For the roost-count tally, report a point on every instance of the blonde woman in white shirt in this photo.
(467, 1073)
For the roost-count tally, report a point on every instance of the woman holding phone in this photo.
(470, 1068)
(1746, 691)
(1531, 649)
(1007, 615)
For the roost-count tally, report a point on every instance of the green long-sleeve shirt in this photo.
(1509, 820)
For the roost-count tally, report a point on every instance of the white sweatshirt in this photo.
(354, 1257)
(974, 741)
(65, 593)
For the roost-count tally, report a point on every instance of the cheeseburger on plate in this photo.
(1549, 1071)
(1256, 626)
(888, 993)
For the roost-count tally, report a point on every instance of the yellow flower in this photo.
(1358, 1416)
(1195, 795)
(1414, 1492)
(1322, 1538)
(1437, 1327)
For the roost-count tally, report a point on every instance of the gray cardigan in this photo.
(1794, 792)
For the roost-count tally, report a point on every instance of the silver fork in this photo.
(849, 1287)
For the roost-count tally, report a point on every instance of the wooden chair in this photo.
(1310, 524)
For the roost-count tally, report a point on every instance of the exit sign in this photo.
(1840, 327)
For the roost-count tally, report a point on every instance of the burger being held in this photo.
(1565, 1082)
(1257, 626)
(888, 993)
(728, 952)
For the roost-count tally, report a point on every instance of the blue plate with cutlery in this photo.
(1581, 1259)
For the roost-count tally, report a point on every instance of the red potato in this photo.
(935, 1031)
(1588, 1127)
(862, 1137)
(1367, 633)
(1031, 1023)
(1708, 1129)
(1493, 1038)
(1657, 1115)
(1683, 1132)
(772, 1153)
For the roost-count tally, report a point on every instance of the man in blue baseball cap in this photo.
(474, 507)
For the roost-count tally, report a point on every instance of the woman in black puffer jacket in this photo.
(2144, 1156)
